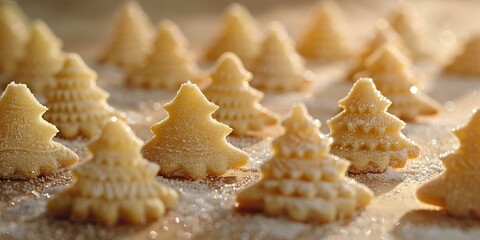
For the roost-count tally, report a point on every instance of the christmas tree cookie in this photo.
(13, 37)
(239, 103)
(468, 61)
(393, 75)
(42, 59)
(116, 186)
(27, 150)
(325, 39)
(302, 180)
(278, 67)
(456, 189)
(77, 106)
(169, 65)
(131, 39)
(239, 35)
(189, 142)
(366, 134)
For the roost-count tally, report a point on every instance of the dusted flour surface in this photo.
(326, 37)
(131, 39)
(13, 37)
(41, 60)
(26, 148)
(116, 186)
(77, 106)
(238, 103)
(366, 134)
(169, 65)
(302, 179)
(189, 142)
(456, 189)
(239, 34)
(395, 78)
(278, 67)
(467, 62)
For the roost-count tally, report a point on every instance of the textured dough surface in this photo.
(467, 62)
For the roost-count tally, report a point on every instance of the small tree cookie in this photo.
(366, 134)
(393, 75)
(169, 65)
(78, 107)
(239, 103)
(189, 142)
(239, 35)
(116, 186)
(26, 147)
(456, 189)
(131, 39)
(278, 67)
(42, 59)
(325, 39)
(302, 180)
(468, 61)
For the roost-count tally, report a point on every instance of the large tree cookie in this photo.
(131, 39)
(468, 61)
(169, 65)
(278, 67)
(78, 107)
(239, 103)
(189, 142)
(456, 189)
(395, 78)
(239, 34)
(42, 59)
(325, 38)
(26, 147)
(366, 134)
(116, 186)
(302, 180)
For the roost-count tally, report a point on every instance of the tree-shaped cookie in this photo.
(78, 107)
(456, 189)
(26, 147)
(468, 61)
(239, 103)
(366, 134)
(325, 38)
(302, 180)
(131, 39)
(278, 67)
(239, 35)
(394, 77)
(117, 186)
(189, 142)
(169, 65)
(385, 34)
(13, 37)
(42, 59)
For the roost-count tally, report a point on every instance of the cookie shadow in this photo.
(380, 183)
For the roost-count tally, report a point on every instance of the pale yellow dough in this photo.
(468, 61)
(116, 186)
(395, 78)
(278, 67)
(77, 106)
(42, 59)
(326, 38)
(239, 103)
(456, 189)
(366, 134)
(239, 34)
(169, 65)
(302, 180)
(131, 38)
(26, 147)
(13, 37)
(189, 142)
